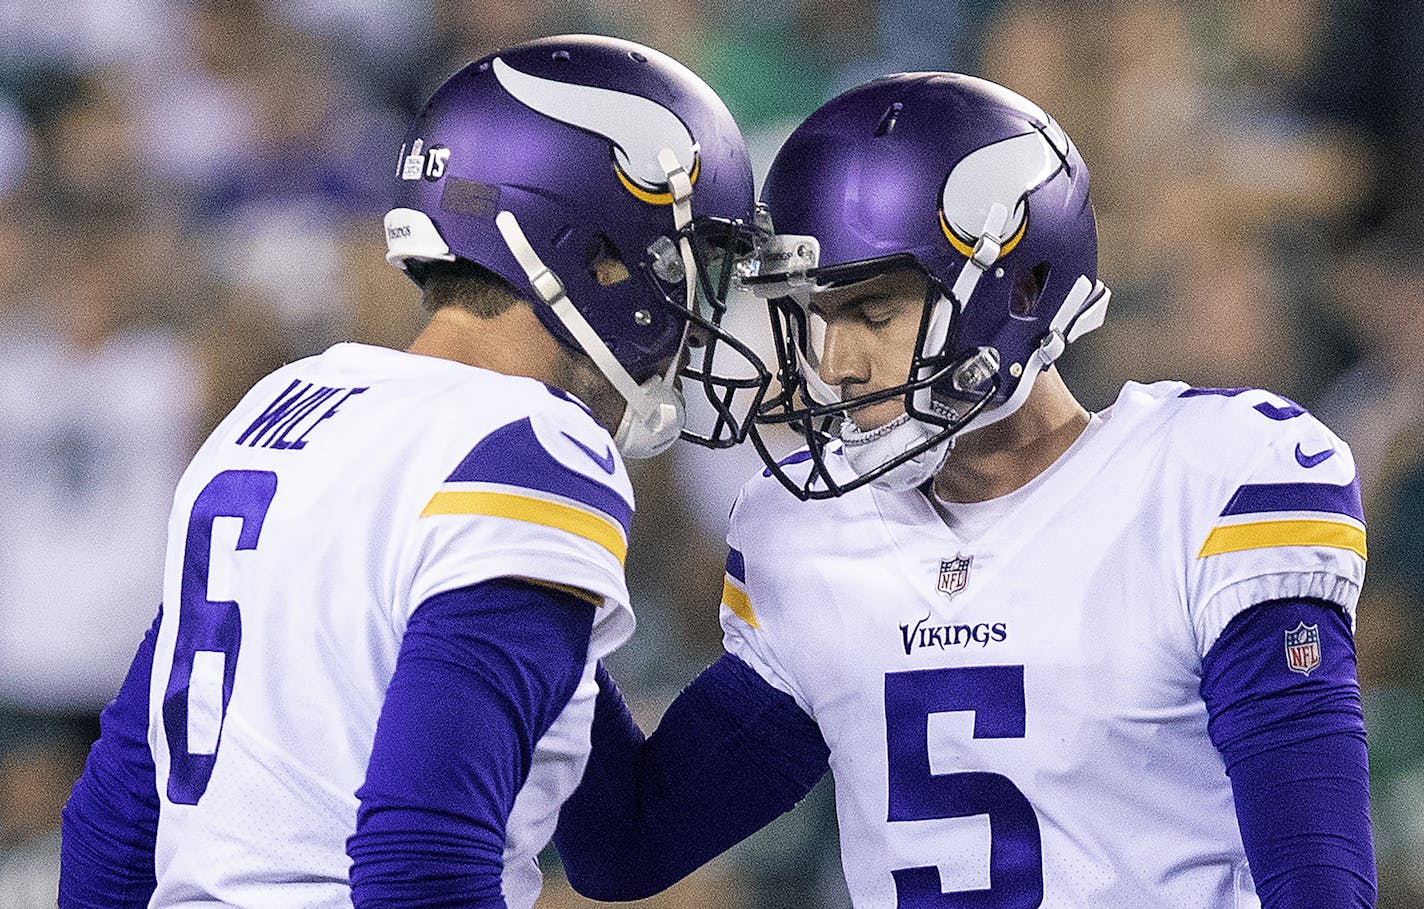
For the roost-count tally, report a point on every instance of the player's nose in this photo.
(843, 360)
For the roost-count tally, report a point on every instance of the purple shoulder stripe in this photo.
(1290, 411)
(796, 457)
(736, 566)
(1258, 497)
(513, 456)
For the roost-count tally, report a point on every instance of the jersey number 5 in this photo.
(209, 633)
(995, 695)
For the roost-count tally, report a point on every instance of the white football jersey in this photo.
(1010, 692)
(342, 492)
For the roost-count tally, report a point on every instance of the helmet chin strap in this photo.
(986, 253)
(1082, 311)
(655, 413)
(680, 185)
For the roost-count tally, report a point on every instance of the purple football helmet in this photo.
(984, 194)
(611, 188)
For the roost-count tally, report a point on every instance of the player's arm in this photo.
(1294, 746)
(731, 754)
(110, 822)
(482, 674)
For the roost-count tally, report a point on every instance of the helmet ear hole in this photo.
(604, 263)
(1023, 303)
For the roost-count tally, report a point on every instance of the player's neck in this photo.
(516, 343)
(1005, 456)
(513, 342)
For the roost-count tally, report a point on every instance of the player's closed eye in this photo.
(877, 313)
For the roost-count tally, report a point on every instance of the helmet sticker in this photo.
(421, 162)
(1004, 172)
(637, 127)
(413, 164)
(436, 157)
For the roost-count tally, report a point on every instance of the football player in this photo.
(1052, 657)
(391, 573)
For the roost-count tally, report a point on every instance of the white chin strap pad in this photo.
(865, 451)
(650, 430)
(816, 387)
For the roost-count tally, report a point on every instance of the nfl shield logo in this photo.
(954, 574)
(1303, 648)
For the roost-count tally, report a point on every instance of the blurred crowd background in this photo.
(191, 193)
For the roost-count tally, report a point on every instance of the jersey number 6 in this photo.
(209, 633)
(995, 695)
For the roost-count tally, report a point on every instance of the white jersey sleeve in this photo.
(1278, 514)
(770, 545)
(743, 634)
(544, 497)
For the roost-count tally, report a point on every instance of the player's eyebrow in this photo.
(859, 301)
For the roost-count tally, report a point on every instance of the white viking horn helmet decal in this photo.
(1004, 172)
(638, 127)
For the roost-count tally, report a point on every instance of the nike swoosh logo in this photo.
(604, 460)
(1310, 460)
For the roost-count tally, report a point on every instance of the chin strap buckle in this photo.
(547, 285)
(986, 251)
(679, 187)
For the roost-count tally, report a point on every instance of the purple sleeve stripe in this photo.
(736, 566)
(483, 673)
(1288, 412)
(731, 754)
(1222, 392)
(1254, 498)
(513, 456)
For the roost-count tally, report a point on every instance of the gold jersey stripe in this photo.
(533, 511)
(1269, 534)
(736, 599)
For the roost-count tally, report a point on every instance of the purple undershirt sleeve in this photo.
(483, 672)
(731, 754)
(110, 822)
(1294, 746)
